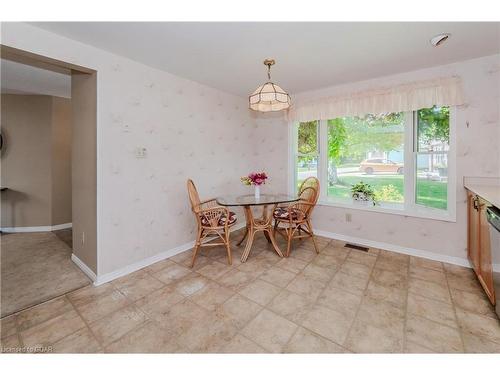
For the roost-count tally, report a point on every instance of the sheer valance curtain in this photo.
(401, 98)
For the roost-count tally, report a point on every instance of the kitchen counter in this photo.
(487, 188)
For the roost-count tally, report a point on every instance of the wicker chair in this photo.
(296, 217)
(212, 221)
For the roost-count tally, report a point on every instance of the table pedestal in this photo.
(254, 225)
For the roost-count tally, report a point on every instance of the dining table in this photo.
(260, 223)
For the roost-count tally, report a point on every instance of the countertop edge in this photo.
(490, 193)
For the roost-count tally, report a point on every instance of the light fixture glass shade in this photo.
(269, 98)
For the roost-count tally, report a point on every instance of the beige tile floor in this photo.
(338, 301)
(36, 267)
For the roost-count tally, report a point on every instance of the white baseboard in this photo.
(86, 270)
(62, 226)
(396, 248)
(110, 276)
(48, 228)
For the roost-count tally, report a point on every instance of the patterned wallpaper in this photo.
(271, 149)
(189, 131)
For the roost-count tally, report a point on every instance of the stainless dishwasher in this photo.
(493, 216)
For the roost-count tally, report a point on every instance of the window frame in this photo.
(410, 207)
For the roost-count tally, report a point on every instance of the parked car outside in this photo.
(370, 166)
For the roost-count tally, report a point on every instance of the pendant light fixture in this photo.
(269, 97)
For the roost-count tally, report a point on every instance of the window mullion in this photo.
(409, 162)
(323, 159)
(293, 158)
(452, 158)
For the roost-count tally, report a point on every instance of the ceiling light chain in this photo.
(269, 63)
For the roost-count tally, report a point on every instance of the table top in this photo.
(249, 199)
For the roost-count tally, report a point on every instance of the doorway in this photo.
(48, 179)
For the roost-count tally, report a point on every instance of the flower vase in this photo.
(257, 192)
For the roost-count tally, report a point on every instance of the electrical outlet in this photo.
(83, 238)
(348, 218)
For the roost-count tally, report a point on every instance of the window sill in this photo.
(393, 209)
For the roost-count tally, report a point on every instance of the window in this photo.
(368, 149)
(431, 153)
(306, 157)
(404, 156)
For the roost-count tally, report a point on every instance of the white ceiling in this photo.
(17, 78)
(229, 56)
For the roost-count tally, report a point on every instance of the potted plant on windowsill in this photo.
(363, 194)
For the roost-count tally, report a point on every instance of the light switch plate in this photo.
(141, 152)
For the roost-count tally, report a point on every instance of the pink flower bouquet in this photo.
(253, 178)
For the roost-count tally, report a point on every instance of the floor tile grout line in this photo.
(18, 332)
(452, 304)
(315, 301)
(429, 319)
(325, 338)
(423, 345)
(359, 306)
(431, 298)
(66, 297)
(248, 338)
(265, 307)
(240, 330)
(133, 303)
(129, 304)
(105, 348)
(460, 332)
(187, 298)
(84, 322)
(115, 289)
(44, 302)
(405, 338)
(62, 296)
(285, 345)
(156, 278)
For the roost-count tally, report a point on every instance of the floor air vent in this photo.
(356, 247)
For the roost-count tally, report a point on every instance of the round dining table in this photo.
(254, 224)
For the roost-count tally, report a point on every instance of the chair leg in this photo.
(289, 241)
(196, 247)
(309, 226)
(228, 247)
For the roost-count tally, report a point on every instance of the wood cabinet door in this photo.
(473, 231)
(485, 262)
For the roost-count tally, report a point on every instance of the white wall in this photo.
(189, 130)
(271, 148)
(478, 154)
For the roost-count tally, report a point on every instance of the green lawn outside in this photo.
(429, 193)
